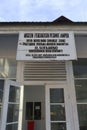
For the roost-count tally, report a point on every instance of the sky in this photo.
(42, 10)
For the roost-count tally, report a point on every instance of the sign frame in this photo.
(46, 45)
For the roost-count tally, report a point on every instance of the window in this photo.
(1, 95)
(8, 68)
(33, 110)
(80, 68)
(80, 77)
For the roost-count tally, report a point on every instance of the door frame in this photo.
(6, 91)
(67, 106)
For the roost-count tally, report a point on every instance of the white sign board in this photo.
(58, 45)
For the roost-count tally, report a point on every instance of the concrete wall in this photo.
(35, 94)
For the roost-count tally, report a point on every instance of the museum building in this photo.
(43, 75)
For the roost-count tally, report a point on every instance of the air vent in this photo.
(44, 71)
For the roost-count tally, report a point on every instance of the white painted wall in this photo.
(34, 94)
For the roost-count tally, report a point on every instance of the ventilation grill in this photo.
(44, 71)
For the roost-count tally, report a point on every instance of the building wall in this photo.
(8, 46)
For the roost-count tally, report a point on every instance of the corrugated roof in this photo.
(62, 20)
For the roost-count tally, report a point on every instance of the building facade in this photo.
(43, 75)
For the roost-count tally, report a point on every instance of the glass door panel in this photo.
(58, 126)
(14, 94)
(56, 95)
(57, 112)
(13, 113)
(12, 126)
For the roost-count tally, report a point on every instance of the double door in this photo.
(58, 108)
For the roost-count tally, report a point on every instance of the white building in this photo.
(43, 75)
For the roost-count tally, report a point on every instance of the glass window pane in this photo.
(14, 94)
(13, 113)
(7, 68)
(57, 113)
(1, 90)
(12, 127)
(1, 94)
(8, 44)
(81, 90)
(29, 110)
(80, 68)
(37, 110)
(82, 113)
(58, 126)
(56, 95)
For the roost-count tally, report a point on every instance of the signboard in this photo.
(58, 45)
